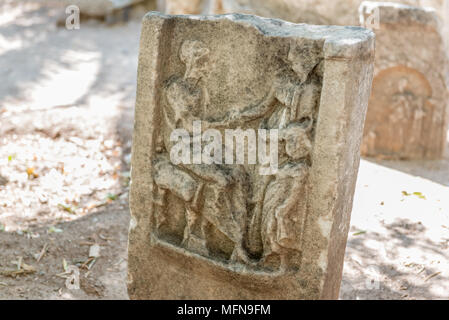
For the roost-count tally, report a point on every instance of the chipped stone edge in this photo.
(341, 42)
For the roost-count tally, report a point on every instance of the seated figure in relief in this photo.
(224, 207)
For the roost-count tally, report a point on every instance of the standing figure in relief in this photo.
(280, 200)
(284, 200)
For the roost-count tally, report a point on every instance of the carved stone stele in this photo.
(226, 231)
(408, 108)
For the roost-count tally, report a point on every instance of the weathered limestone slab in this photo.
(408, 109)
(246, 231)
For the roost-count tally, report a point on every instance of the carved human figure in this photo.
(401, 112)
(284, 203)
(407, 106)
(291, 108)
(224, 207)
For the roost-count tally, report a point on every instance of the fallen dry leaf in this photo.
(31, 173)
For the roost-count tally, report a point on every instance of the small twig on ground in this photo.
(87, 243)
(102, 237)
(89, 263)
(432, 276)
(43, 251)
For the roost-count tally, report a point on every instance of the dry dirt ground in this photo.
(66, 116)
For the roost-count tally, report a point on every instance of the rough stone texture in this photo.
(339, 12)
(445, 20)
(336, 12)
(225, 231)
(407, 115)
